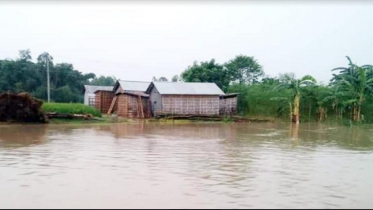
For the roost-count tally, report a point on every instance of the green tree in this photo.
(208, 71)
(244, 69)
(25, 55)
(296, 86)
(163, 79)
(175, 78)
(335, 97)
(103, 81)
(23, 75)
(357, 82)
(42, 58)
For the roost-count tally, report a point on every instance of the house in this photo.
(185, 98)
(130, 99)
(89, 93)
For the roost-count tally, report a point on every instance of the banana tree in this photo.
(357, 82)
(287, 104)
(296, 86)
(335, 97)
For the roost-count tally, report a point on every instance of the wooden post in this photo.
(139, 103)
(112, 105)
(149, 108)
(100, 102)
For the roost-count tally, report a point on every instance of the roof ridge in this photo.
(100, 85)
(184, 82)
(133, 81)
(188, 88)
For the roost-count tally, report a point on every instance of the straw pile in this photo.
(21, 108)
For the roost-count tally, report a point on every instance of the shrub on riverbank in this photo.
(71, 108)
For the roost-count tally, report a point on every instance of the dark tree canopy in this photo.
(209, 71)
(103, 81)
(22, 75)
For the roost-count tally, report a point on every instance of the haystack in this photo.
(21, 108)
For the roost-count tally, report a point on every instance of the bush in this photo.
(256, 100)
(71, 108)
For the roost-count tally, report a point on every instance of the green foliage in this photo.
(209, 71)
(244, 69)
(103, 81)
(22, 75)
(228, 120)
(163, 79)
(258, 100)
(175, 78)
(70, 108)
(356, 82)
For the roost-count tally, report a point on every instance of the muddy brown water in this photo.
(204, 165)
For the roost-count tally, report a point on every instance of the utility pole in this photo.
(48, 80)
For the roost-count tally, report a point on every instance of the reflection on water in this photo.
(207, 165)
(22, 135)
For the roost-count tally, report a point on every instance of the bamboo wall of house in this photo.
(128, 106)
(190, 104)
(228, 106)
(103, 100)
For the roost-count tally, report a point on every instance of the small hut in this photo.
(89, 93)
(103, 99)
(130, 99)
(179, 98)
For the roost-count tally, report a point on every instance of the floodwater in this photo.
(204, 165)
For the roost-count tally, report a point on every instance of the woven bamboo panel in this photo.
(195, 105)
(228, 106)
(103, 100)
(128, 106)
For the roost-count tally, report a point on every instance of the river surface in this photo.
(204, 165)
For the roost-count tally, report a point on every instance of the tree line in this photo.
(349, 95)
(23, 75)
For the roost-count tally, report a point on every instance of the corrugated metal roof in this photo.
(230, 95)
(136, 93)
(134, 86)
(92, 89)
(187, 88)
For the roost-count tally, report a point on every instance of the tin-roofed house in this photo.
(89, 93)
(185, 98)
(130, 99)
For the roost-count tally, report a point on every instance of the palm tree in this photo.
(357, 82)
(296, 86)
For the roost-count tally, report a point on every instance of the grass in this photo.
(71, 108)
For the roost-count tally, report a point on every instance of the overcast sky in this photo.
(136, 41)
